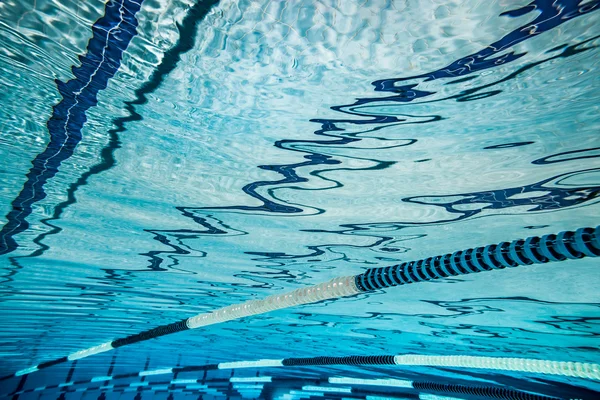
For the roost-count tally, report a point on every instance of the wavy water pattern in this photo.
(546, 195)
(246, 148)
(167, 65)
(344, 132)
(112, 34)
(551, 14)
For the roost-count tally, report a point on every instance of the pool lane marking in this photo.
(70, 133)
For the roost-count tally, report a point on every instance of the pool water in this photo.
(165, 158)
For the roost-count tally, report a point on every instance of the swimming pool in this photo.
(166, 159)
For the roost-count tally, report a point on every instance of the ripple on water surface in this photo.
(255, 147)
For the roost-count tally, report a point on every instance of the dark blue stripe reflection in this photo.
(111, 36)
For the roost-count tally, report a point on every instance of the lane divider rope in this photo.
(210, 387)
(526, 365)
(562, 368)
(584, 242)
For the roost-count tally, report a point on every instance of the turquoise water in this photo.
(202, 155)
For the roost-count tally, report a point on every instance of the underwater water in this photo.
(165, 158)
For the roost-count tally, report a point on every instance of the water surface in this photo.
(231, 151)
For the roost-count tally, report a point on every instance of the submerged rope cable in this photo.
(258, 383)
(547, 367)
(585, 242)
